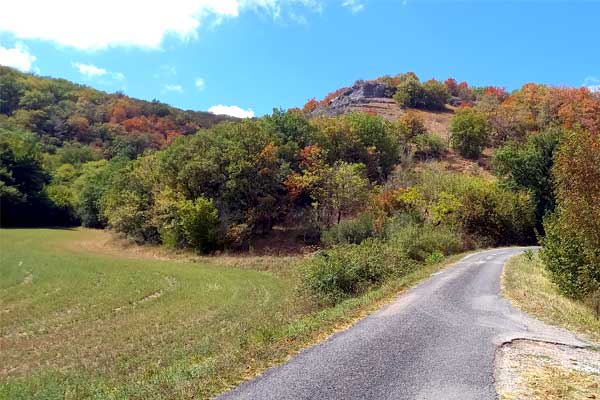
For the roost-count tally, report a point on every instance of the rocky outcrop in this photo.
(362, 92)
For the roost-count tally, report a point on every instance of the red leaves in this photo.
(310, 105)
(498, 92)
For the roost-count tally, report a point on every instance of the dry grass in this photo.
(527, 285)
(555, 383)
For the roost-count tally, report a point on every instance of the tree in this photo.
(344, 190)
(571, 248)
(528, 167)
(469, 130)
(410, 93)
(22, 179)
(436, 95)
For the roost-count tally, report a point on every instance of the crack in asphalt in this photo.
(436, 341)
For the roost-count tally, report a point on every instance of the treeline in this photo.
(241, 178)
(62, 113)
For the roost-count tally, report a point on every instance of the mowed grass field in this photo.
(81, 324)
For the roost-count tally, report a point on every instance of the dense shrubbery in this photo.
(421, 241)
(573, 266)
(349, 270)
(350, 231)
(528, 166)
(410, 92)
(428, 146)
(441, 214)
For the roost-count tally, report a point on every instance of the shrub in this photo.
(436, 95)
(469, 131)
(431, 95)
(197, 220)
(434, 258)
(574, 267)
(497, 216)
(429, 146)
(410, 125)
(349, 270)
(421, 241)
(352, 231)
(410, 93)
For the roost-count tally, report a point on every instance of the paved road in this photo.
(436, 341)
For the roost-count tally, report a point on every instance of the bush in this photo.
(497, 216)
(352, 231)
(469, 131)
(429, 146)
(572, 266)
(436, 95)
(349, 270)
(420, 242)
(410, 93)
(432, 95)
(197, 220)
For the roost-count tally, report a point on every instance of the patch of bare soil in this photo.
(545, 371)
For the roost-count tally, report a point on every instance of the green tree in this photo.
(344, 189)
(435, 95)
(469, 130)
(528, 166)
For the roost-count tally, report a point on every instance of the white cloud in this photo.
(592, 83)
(354, 6)
(233, 111)
(90, 70)
(18, 57)
(98, 74)
(199, 82)
(89, 25)
(173, 88)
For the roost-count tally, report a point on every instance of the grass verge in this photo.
(527, 285)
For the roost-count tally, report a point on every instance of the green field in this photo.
(80, 324)
(82, 317)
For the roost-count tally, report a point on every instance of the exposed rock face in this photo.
(362, 92)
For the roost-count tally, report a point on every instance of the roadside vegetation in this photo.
(528, 284)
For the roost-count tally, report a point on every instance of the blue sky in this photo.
(253, 55)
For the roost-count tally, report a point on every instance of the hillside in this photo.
(62, 113)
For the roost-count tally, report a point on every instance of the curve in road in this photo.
(436, 341)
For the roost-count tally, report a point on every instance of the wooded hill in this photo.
(336, 172)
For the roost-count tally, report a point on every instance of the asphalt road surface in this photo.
(437, 341)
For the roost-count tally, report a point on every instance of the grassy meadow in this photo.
(77, 323)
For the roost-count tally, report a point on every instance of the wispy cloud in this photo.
(199, 83)
(592, 83)
(17, 57)
(99, 75)
(173, 88)
(354, 6)
(90, 70)
(233, 111)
